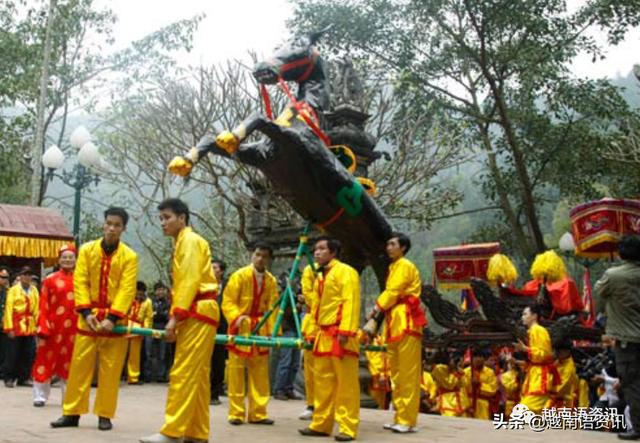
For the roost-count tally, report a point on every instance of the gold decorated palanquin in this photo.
(598, 225)
(455, 266)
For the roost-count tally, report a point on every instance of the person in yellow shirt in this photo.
(380, 385)
(452, 395)
(404, 320)
(141, 316)
(429, 390)
(336, 388)
(563, 394)
(104, 284)
(542, 374)
(309, 330)
(193, 319)
(249, 293)
(581, 394)
(510, 381)
(481, 384)
(20, 323)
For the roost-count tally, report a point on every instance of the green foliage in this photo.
(83, 69)
(500, 68)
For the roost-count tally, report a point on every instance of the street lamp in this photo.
(80, 177)
(566, 243)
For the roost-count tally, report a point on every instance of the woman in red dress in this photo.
(56, 327)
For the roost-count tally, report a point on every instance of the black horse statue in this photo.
(297, 158)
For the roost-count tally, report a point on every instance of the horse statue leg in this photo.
(226, 143)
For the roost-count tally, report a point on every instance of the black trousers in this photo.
(628, 367)
(3, 347)
(155, 368)
(19, 355)
(218, 363)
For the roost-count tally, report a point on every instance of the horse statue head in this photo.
(299, 61)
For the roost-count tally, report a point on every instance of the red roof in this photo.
(471, 250)
(33, 221)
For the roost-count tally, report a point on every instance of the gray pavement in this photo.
(140, 412)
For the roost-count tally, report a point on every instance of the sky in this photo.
(233, 27)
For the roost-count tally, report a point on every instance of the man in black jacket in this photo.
(157, 367)
(619, 290)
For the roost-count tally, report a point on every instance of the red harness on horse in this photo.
(302, 107)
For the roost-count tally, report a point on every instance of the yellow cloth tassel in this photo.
(501, 269)
(548, 267)
(30, 247)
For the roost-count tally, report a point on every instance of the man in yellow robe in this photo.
(542, 374)
(481, 384)
(337, 314)
(404, 320)
(104, 284)
(380, 376)
(193, 319)
(141, 316)
(563, 395)
(20, 324)
(452, 395)
(510, 381)
(309, 330)
(249, 293)
(429, 394)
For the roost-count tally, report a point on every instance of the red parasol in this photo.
(598, 225)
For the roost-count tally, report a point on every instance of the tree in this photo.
(224, 195)
(501, 68)
(83, 72)
(157, 120)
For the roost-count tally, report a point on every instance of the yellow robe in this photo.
(452, 395)
(428, 387)
(480, 397)
(582, 394)
(244, 297)
(511, 386)
(564, 393)
(21, 311)
(195, 307)
(106, 285)
(541, 374)
(309, 330)
(380, 375)
(404, 320)
(337, 386)
(399, 300)
(140, 315)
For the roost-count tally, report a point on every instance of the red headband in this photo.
(70, 247)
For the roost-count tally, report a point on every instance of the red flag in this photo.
(587, 298)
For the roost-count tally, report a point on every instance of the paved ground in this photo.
(140, 412)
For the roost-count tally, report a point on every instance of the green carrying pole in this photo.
(223, 339)
(287, 297)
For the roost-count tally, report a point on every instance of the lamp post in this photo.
(80, 176)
